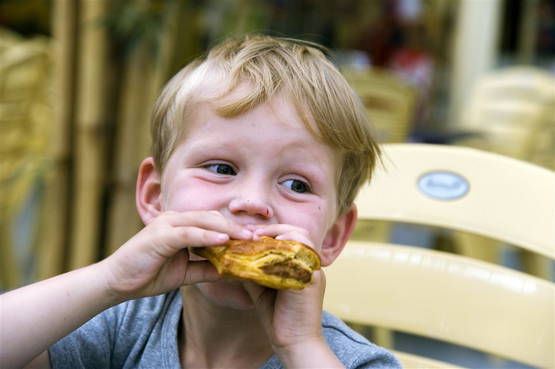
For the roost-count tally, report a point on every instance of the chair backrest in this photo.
(514, 111)
(464, 189)
(445, 296)
(388, 100)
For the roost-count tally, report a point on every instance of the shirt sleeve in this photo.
(354, 350)
(355, 354)
(89, 346)
(379, 360)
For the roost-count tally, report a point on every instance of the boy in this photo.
(263, 137)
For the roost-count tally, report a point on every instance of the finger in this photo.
(295, 236)
(318, 281)
(313, 292)
(169, 240)
(194, 236)
(317, 286)
(284, 232)
(200, 272)
(273, 230)
(210, 220)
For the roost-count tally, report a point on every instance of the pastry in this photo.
(272, 263)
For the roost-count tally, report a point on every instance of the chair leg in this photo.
(536, 265)
(384, 337)
(477, 247)
(378, 231)
(380, 336)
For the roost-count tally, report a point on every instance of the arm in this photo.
(153, 262)
(36, 316)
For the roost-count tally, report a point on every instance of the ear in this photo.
(338, 235)
(147, 193)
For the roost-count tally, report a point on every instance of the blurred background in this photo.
(78, 79)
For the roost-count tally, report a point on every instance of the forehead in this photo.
(242, 99)
(273, 120)
(272, 125)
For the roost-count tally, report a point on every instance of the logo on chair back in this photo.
(443, 185)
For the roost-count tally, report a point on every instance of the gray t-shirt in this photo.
(143, 334)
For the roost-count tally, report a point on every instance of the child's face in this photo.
(262, 167)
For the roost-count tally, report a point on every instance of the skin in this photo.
(261, 173)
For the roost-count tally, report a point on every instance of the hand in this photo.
(156, 259)
(293, 318)
(290, 317)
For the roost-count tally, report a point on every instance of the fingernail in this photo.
(221, 237)
(245, 233)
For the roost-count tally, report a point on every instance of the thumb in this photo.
(200, 271)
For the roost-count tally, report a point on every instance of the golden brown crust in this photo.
(273, 263)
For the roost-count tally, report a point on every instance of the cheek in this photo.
(187, 195)
(326, 218)
(314, 219)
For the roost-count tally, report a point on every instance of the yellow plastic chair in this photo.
(441, 295)
(513, 110)
(389, 101)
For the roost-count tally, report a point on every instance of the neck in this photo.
(214, 337)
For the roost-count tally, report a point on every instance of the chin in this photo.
(226, 294)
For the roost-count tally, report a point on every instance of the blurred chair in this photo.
(513, 111)
(24, 124)
(389, 101)
(441, 295)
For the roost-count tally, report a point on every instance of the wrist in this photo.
(314, 353)
(113, 291)
(99, 284)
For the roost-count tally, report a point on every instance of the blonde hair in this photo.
(270, 65)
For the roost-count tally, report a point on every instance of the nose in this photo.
(251, 206)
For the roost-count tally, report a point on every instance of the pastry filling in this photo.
(288, 269)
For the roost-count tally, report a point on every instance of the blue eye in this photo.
(296, 185)
(224, 169)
